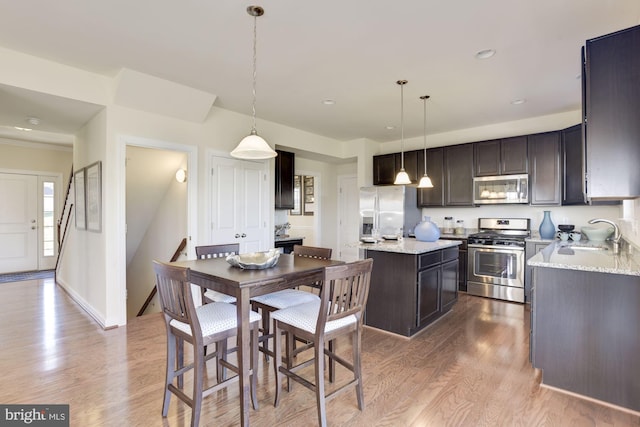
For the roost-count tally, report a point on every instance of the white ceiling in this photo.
(351, 51)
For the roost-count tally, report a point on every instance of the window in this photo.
(48, 220)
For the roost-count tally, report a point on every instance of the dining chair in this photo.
(278, 300)
(343, 297)
(217, 251)
(215, 322)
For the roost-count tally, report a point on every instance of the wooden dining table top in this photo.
(290, 271)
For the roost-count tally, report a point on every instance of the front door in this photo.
(239, 203)
(18, 222)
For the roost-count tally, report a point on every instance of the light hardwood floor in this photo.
(469, 369)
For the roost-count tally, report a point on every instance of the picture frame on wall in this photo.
(80, 205)
(297, 196)
(93, 187)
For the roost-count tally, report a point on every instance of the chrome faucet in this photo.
(616, 232)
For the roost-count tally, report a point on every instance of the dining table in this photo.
(217, 274)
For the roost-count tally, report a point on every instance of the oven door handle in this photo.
(499, 247)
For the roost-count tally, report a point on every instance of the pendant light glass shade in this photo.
(253, 146)
(402, 178)
(425, 181)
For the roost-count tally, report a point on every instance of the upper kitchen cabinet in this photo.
(387, 166)
(544, 168)
(384, 169)
(506, 156)
(429, 197)
(573, 172)
(285, 170)
(611, 101)
(458, 174)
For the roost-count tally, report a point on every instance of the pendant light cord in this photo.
(255, 24)
(402, 83)
(424, 98)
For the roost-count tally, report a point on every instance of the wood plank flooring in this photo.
(471, 368)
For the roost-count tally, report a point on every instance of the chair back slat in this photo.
(174, 292)
(217, 251)
(345, 291)
(312, 252)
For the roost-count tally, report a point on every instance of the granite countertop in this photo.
(535, 238)
(408, 245)
(573, 256)
(286, 238)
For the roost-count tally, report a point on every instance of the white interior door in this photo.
(18, 222)
(349, 216)
(239, 200)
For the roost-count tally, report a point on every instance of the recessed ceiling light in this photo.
(389, 127)
(485, 54)
(33, 121)
(328, 101)
(518, 101)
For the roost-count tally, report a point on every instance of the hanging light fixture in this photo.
(253, 146)
(402, 178)
(425, 181)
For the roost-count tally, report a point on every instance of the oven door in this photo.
(496, 265)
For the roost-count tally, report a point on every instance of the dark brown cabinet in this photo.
(285, 170)
(506, 156)
(611, 101)
(572, 166)
(408, 292)
(544, 168)
(458, 172)
(462, 263)
(435, 163)
(385, 169)
(387, 166)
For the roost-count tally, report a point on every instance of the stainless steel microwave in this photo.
(502, 189)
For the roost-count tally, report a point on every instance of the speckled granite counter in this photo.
(408, 246)
(287, 238)
(578, 256)
(535, 238)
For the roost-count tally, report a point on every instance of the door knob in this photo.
(33, 227)
(237, 235)
(243, 235)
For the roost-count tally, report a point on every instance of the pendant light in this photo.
(402, 178)
(425, 181)
(253, 146)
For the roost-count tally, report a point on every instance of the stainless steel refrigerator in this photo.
(388, 210)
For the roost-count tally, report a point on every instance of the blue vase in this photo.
(427, 231)
(547, 229)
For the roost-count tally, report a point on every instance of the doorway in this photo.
(349, 217)
(28, 232)
(158, 212)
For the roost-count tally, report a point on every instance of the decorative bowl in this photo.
(567, 228)
(597, 234)
(255, 260)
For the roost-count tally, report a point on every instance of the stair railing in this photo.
(65, 217)
(175, 257)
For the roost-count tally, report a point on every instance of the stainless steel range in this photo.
(496, 258)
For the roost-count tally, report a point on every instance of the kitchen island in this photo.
(413, 283)
(585, 315)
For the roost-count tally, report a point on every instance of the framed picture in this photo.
(94, 196)
(80, 205)
(309, 196)
(297, 196)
